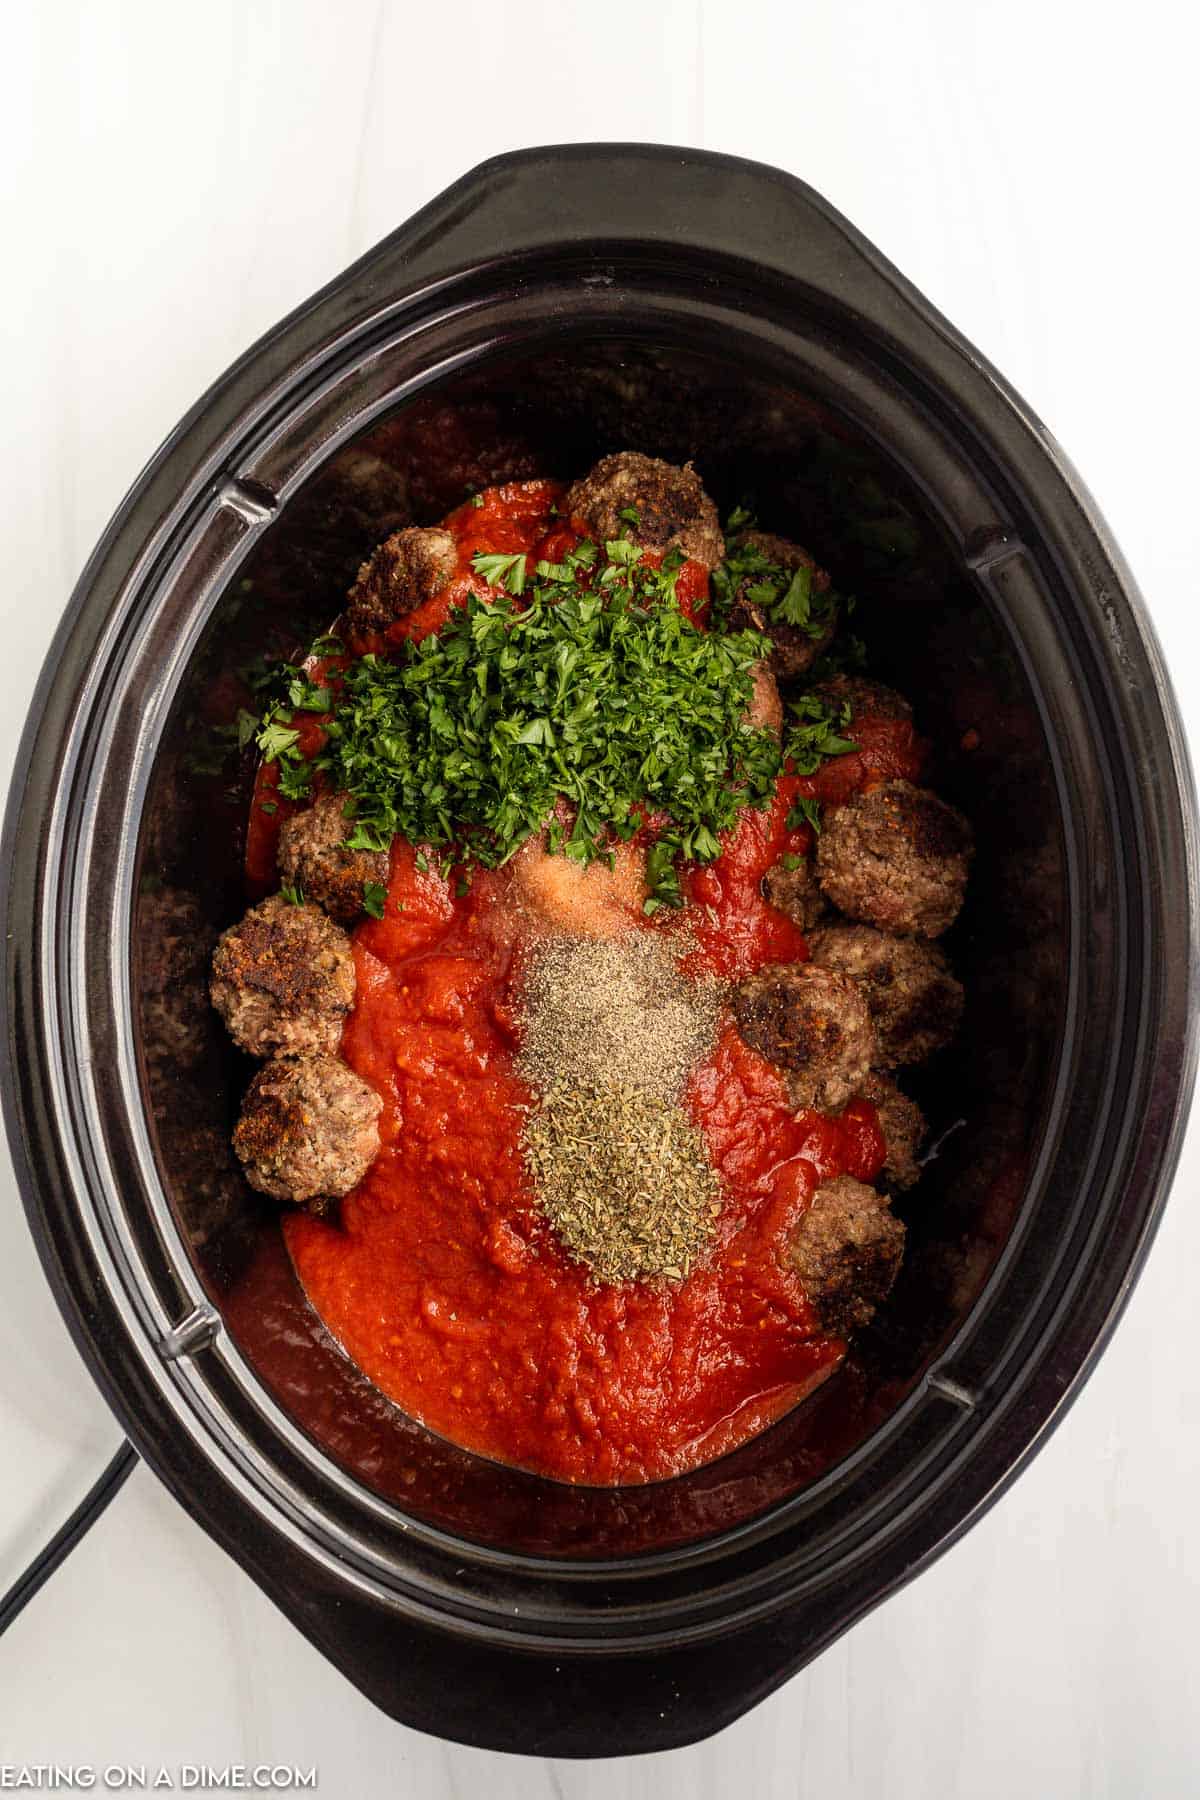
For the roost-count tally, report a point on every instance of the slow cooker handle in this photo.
(595, 197)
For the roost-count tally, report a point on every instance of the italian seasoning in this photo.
(611, 1031)
(623, 1178)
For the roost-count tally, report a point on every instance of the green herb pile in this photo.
(585, 682)
(783, 596)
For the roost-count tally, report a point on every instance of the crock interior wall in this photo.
(929, 631)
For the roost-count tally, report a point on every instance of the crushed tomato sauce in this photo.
(440, 1278)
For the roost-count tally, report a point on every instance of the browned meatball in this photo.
(174, 944)
(914, 1000)
(670, 502)
(795, 890)
(335, 520)
(283, 979)
(896, 856)
(172, 932)
(812, 1023)
(405, 570)
(378, 487)
(866, 699)
(206, 1181)
(308, 1127)
(793, 648)
(903, 1126)
(314, 857)
(847, 1250)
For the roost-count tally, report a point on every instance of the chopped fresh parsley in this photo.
(275, 740)
(783, 595)
(308, 696)
(622, 555)
(816, 734)
(374, 897)
(293, 895)
(805, 811)
(288, 690)
(585, 683)
(794, 606)
(295, 777)
(507, 572)
(662, 877)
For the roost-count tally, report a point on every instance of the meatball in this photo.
(335, 520)
(448, 450)
(308, 1128)
(670, 502)
(903, 1126)
(847, 1250)
(314, 856)
(174, 942)
(283, 979)
(205, 1179)
(866, 699)
(812, 1023)
(376, 488)
(793, 647)
(914, 1001)
(405, 570)
(795, 890)
(896, 856)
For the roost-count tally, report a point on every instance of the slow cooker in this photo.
(553, 305)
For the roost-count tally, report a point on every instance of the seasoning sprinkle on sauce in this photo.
(595, 1006)
(623, 1177)
(611, 1031)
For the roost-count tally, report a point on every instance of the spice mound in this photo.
(623, 1177)
(611, 1031)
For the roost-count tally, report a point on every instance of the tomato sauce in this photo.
(441, 1278)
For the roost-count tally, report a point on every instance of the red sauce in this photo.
(441, 1279)
(888, 750)
(734, 929)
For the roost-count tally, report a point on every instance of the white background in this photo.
(175, 178)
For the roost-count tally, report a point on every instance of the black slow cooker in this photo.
(553, 305)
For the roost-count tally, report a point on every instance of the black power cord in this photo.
(67, 1536)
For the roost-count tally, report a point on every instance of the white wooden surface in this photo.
(177, 176)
